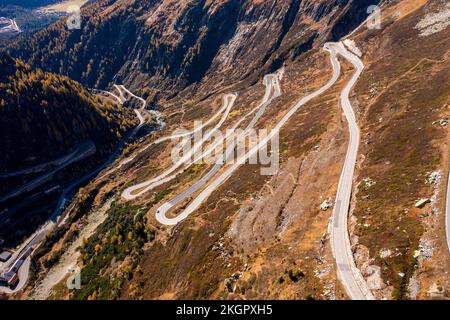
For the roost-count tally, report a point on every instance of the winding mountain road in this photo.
(141, 188)
(84, 150)
(272, 86)
(226, 174)
(176, 135)
(350, 276)
(348, 273)
(40, 167)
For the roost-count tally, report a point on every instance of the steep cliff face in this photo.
(168, 45)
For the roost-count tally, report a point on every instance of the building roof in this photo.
(5, 255)
(8, 275)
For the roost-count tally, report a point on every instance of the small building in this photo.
(4, 256)
(10, 278)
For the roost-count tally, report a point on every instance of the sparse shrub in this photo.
(294, 276)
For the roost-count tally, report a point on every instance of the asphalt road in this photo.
(83, 150)
(163, 139)
(39, 235)
(272, 86)
(348, 273)
(350, 276)
(40, 167)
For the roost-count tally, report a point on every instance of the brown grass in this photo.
(403, 147)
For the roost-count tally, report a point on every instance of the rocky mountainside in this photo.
(168, 45)
(256, 236)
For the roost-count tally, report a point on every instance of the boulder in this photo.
(436, 290)
(434, 177)
(385, 253)
(327, 204)
(422, 202)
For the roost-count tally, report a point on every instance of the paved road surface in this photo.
(350, 276)
(39, 167)
(182, 134)
(272, 85)
(84, 150)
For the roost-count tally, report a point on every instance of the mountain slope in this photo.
(255, 236)
(43, 116)
(403, 107)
